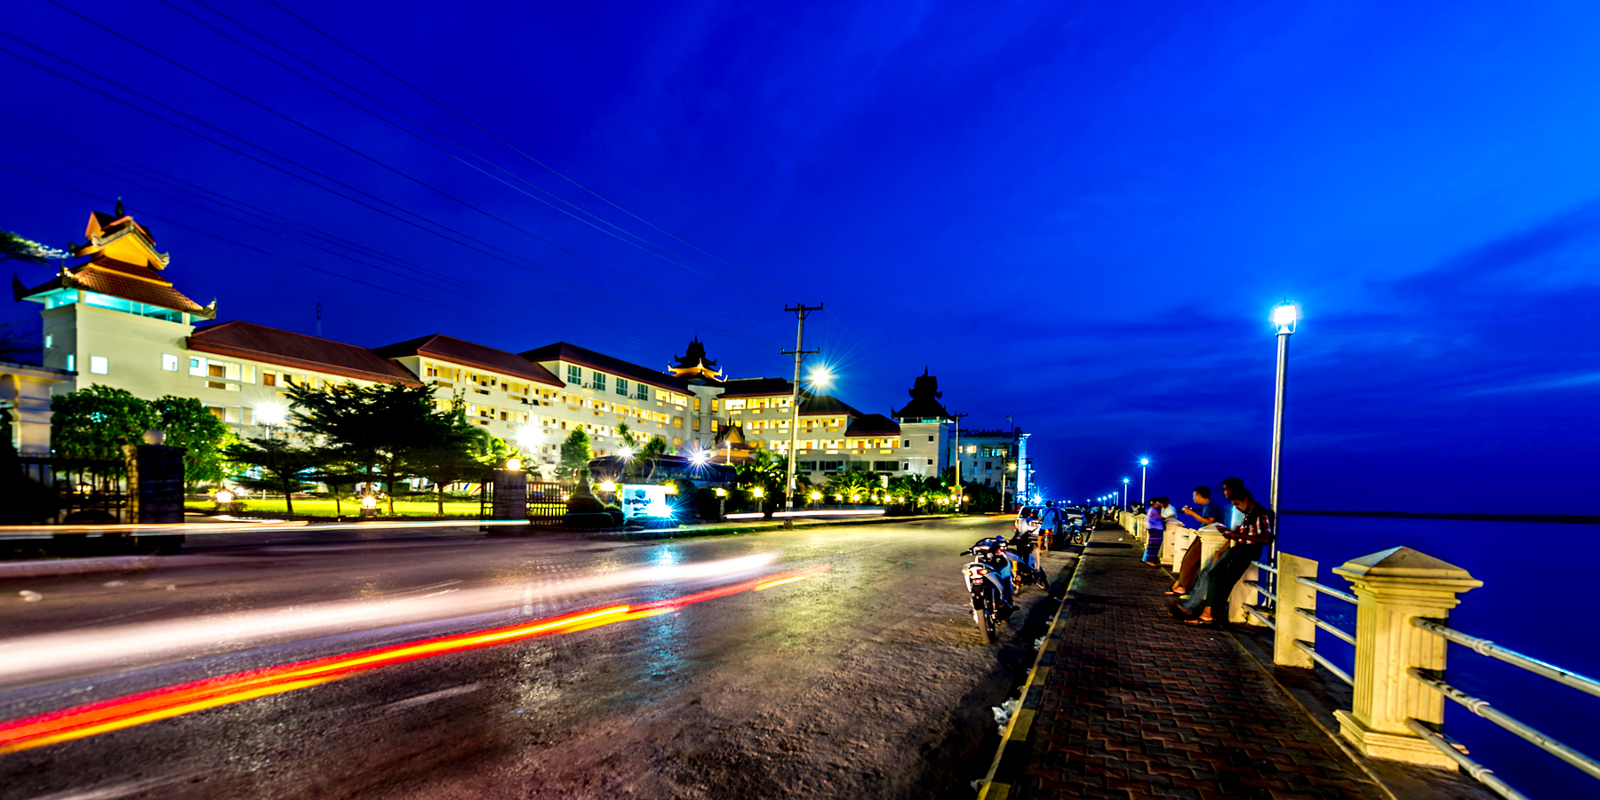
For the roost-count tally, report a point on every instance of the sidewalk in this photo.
(1133, 704)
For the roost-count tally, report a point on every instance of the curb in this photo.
(758, 527)
(35, 569)
(1012, 757)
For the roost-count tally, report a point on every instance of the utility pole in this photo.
(1004, 465)
(960, 490)
(799, 352)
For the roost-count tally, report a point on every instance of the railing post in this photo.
(1393, 587)
(1293, 594)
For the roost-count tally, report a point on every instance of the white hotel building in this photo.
(112, 317)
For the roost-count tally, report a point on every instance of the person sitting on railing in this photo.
(1154, 526)
(1204, 513)
(1245, 542)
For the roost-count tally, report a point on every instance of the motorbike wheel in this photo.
(985, 629)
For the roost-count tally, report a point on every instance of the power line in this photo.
(513, 147)
(387, 166)
(536, 268)
(647, 246)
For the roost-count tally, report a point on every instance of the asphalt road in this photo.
(867, 679)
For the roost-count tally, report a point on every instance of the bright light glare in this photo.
(224, 497)
(758, 492)
(513, 464)
(699, 458)
(527, 437)
(608, 486)
(1144, 462)
(625, 451)
(821, 377)
(270, 413)
(1284, 317)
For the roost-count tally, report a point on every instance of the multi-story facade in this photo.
(994, 458)
(111, 316)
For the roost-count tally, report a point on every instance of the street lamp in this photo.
(1285, 317)
(1144, 469)
(821, 377)
(1124, 492)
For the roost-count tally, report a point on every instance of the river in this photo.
(1536, 598)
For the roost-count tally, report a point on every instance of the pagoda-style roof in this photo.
(573, 354)
(459, 351)
(924, 405)
(731, 433)
(273, 346)
(873, 425)
(694, 366)
(101, 274)
(758, 387)
(121, 237)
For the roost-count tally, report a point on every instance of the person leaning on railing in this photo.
(1205, 512)
(1245, 542)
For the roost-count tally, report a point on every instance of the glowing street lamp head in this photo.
(625, 451)
(1285, 316)
(1144, 462)
(816, 495)
(527, 437)
(608, 486)
(513, 464)
(699, 458)
(821, 377)
(758, 492)
(270, 413)
(1124, 481)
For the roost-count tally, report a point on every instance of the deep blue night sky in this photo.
(1077, 215)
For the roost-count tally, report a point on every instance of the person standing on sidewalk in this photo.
(1247, 539)
(1155, 527)
(1205, 513)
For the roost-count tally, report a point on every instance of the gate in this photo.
(547, 501)
(87, 490)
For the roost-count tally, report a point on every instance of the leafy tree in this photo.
(385, 428)
(188, 424)
(95, 423)
(272, 465)
(657, 446)
(575, 454)
(625, 434)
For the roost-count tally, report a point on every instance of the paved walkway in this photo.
(1136, 705)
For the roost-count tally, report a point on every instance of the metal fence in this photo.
(85, 489)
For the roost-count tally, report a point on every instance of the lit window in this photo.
(49, 340)
(99, 365)
(169, 362)
(72, 363)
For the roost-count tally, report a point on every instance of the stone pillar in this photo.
(1243, 594)
(1169, 544)
(1291, 626)
(510, 500)
(1393, 587)
(1211, 540)
(155, 482)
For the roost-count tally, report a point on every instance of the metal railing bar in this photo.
(1257, 587)
(1265, 620)
(1479, 772)
(1325, 625)
(1327, 590)
(1483, 709)
(1326, 664)
(1485, 647)
(1267, 567)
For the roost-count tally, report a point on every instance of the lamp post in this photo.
(1144, 469)
(760, 495)
(1124, 494)
(1285, 317)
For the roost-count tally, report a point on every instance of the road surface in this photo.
(865, 679)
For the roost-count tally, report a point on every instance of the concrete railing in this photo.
(1403, 599)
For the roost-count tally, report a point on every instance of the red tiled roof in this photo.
(758, 387)
(873, 425)
(573, 354)
(137, 282)
(460, 351)
(261, 343)
(820, 404)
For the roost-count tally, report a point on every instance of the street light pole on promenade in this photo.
(799, 352)
(1124, 494)
(1144, 469)
(1285, 317)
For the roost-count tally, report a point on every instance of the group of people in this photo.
(1247, 527)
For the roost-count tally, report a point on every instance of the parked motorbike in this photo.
(1078, 534)
(1028, 548)
(984, 577)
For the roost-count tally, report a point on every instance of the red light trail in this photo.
(171, 701)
